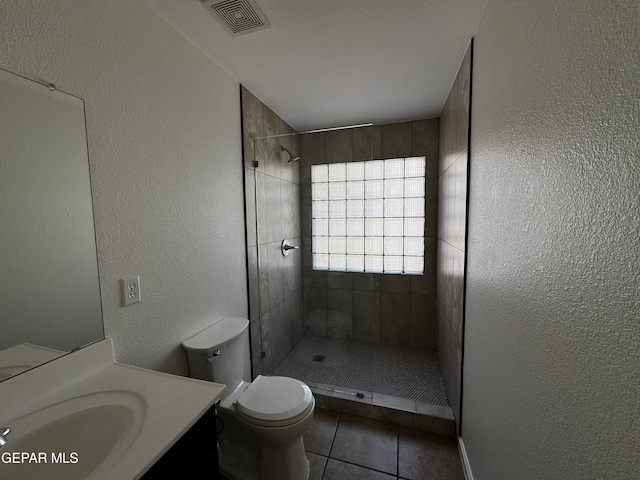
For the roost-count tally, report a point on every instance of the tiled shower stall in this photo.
(290, 301)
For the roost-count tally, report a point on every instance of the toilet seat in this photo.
(275, 401)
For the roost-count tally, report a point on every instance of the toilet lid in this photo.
(275, 399)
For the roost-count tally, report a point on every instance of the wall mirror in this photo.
(49, 287)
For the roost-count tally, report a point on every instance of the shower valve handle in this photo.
(285, 247)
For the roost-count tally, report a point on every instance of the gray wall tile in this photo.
(289, 271)
(442, 206)
(276, 273)
(362, 144)
(366, 316)
(426, 283)
(265, 332)
(263, 278)
(452, 183)
(396, 140)
(297, 213)
(394, 318)
(457, 293)
(269, 148)
(271, 122)
(295, 148)
(460, 201)
(431, 208)
(272, 209)
(425, 141)
(252, 124)
(250, 205)
(289, 210)
(261, 202)
(297, 263)
(268, 156)
(305, 169)
(423, 321)
(277, 206)
(340, 313)
(446, 203)
(376, 142)
(342, 280)
(454, 120)
(256, 348)
(339, 146)
(298, 326)
(396, 283)
(287, 171)
(366, 281)
(313, 278)
(252, 274)
(307, 260)
(281, 334)
(305, 210)
(312, 151)
(315, 311)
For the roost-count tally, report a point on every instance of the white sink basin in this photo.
(82, 437)
(85, 416)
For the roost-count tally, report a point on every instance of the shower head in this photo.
(292, 158)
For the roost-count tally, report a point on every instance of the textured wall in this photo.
(377, 308)
(164, 140)
(551, 365)
(452, 215)
(275, 288)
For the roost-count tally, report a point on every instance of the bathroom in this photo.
(158, 190)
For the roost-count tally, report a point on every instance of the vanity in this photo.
(86, 416)
(68, 410)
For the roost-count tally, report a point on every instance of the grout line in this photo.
(398, 451)
(335, 434)
(360, 466)
(331, 446)
(397, 475)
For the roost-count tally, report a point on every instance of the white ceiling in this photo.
(328, 63)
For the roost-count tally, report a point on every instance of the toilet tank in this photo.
(220, 353)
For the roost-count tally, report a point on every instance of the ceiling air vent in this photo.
(237, 16)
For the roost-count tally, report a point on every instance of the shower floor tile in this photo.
(397, 371)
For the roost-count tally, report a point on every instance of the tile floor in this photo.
(346, 447)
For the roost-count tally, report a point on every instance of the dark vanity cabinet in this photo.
(194, 456)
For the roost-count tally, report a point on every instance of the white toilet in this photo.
(264, 420)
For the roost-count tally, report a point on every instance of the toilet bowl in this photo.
(264, 420)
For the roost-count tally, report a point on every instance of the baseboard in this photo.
(468, 474)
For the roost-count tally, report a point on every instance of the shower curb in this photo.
(396, 410)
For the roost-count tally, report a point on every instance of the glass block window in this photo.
(369, 216)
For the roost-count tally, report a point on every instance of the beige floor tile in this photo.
(337, 470)
(319, 437)
(368, 443)
(316, 466)
(427, 456)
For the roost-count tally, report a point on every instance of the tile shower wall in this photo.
(272, 208)
(392, 309)
(454, 133)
